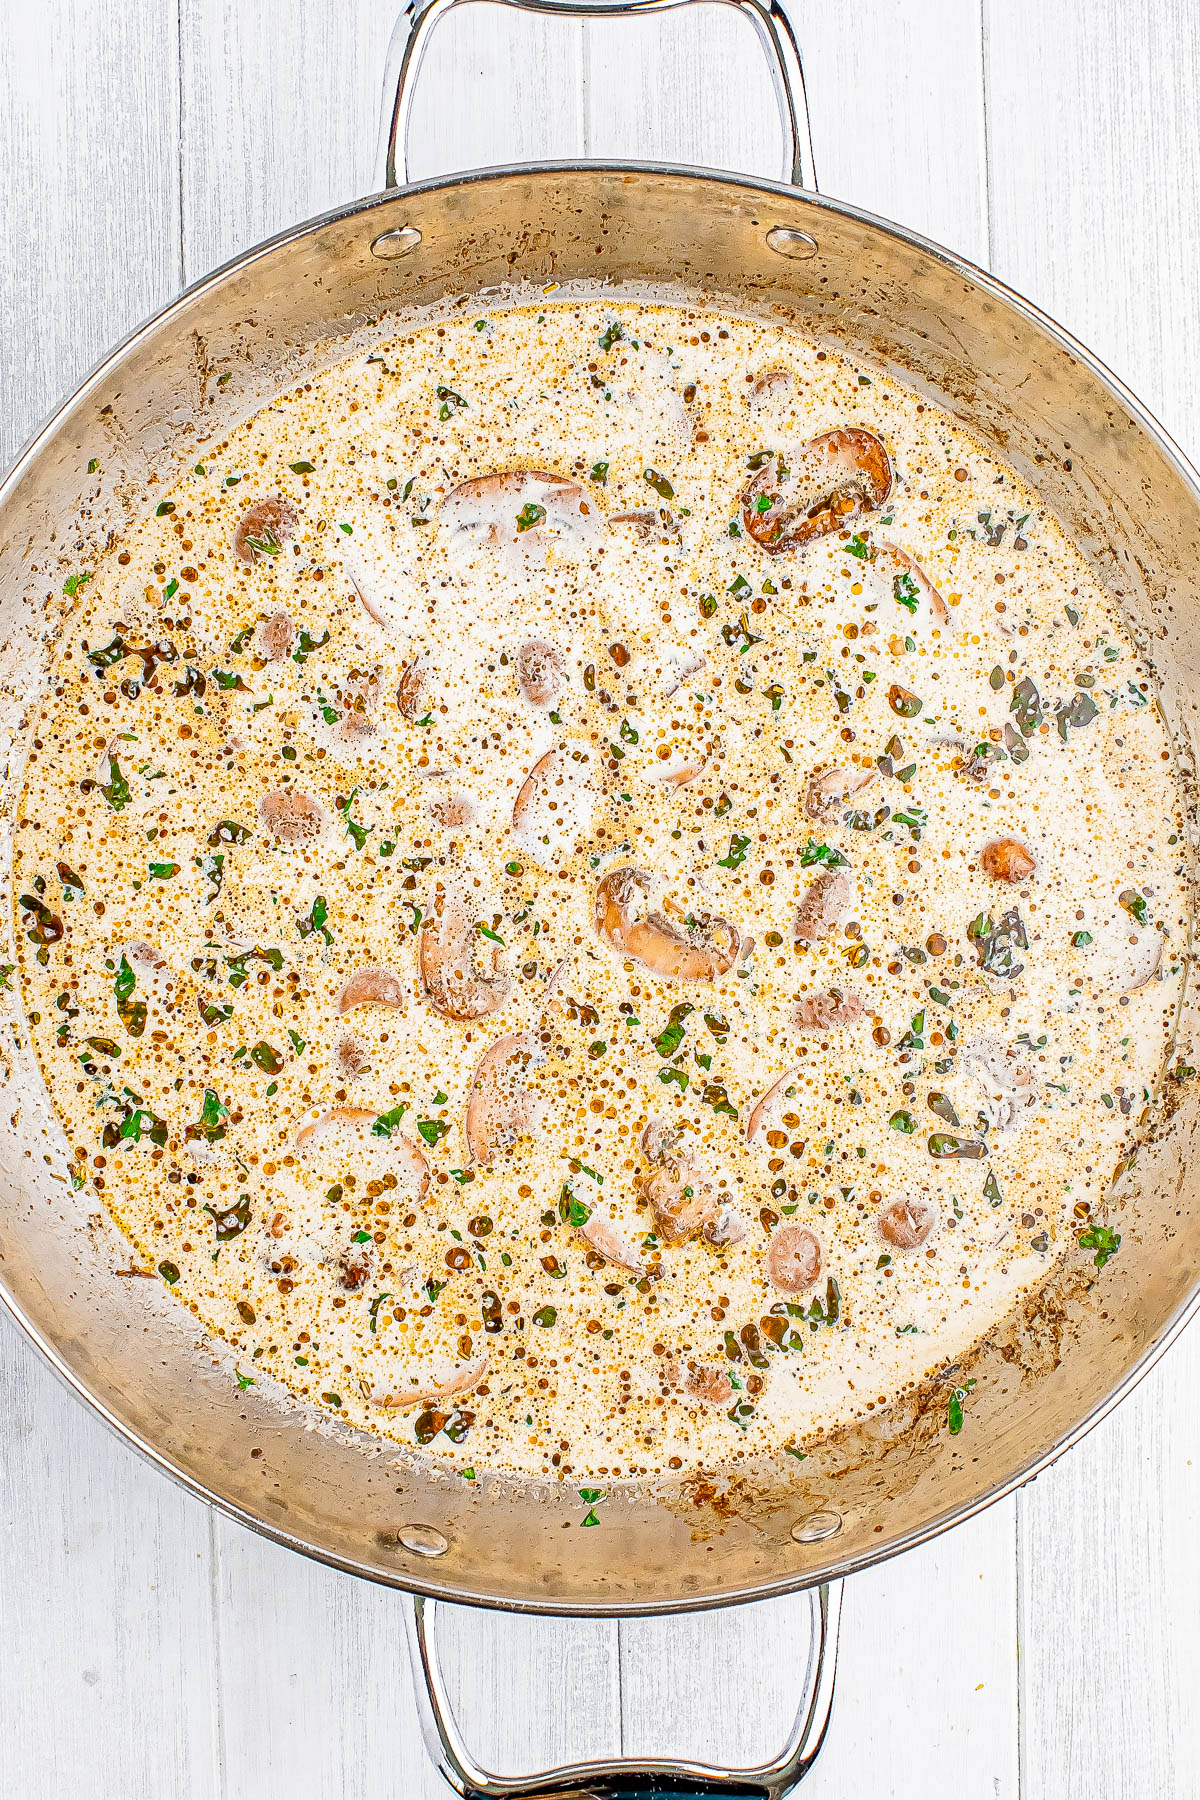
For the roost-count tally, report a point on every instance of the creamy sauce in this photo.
(561, 782)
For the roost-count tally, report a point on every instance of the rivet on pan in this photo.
(423, 1540)
(391, 244)
(817, 1526)
(796, 244)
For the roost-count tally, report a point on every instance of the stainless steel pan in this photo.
(1126, 495)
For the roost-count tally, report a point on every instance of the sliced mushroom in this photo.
(908, 565)
(399, 1153)
(1009, 860)
(701, 951)
(703, 1381)
(609, 1241)
(500, 1107)
(681, 1193)
(650, 524)
(541, 670)
(371, 987)
(823, 907)
(1138, 962)
(264, 528)
(452, 811)
(680, 666)
(411, 688)
(678, 774)
(761, 1109)
(275, 635)
(1008, 1087)
(832, 479)
(553, 807)
(354, 1268)
(513, 506)
(450, 978)
(350, 1059)
(727, 1228)
(369, 606)
(147, 957)
(292, 817)
(682, 1196)
(775, 379)
(659, 1139)
(357, 697)
(424, 1391)
(793, 1259)
(829, 787)
(906, 1222)
(828, 1012)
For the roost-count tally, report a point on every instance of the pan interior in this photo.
(1120, 493)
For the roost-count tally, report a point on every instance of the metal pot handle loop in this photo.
(618, 1778)
(421, 17)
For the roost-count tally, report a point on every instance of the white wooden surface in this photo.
(150, 1649)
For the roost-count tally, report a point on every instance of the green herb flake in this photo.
(736, 855)
(1104, 1241)
(388, 1122)
(822, 853)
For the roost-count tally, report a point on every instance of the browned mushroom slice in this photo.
(833, 478)
(1138, 961)
(680, 666)
(275, 635)
(827, 1012)
(397, 1152)
(676, 773)
(727, 1228)
(354, 1268)
(411, 688)
(553, 807)
(264, 528)
(357, 697)
(292, 817)
(452, 811)
(499, 1105)
(651, 524)
(659, 1139)
(823, 907)
(905, 1223)
(827, 788)
(760, 1111)
(350, 1059)
(514, 505)
(793, 1259)
(451, 980)
(371, 607)
(146, 956)
(371, 987)
(775, 379)
(703, 1381)
(423, 1391)
(910, 567)
(540, 671)
(1009, 1092)
(607, 1238)
(700, 951)
(1008, 860)
(682, 1196)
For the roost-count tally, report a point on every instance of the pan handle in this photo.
(618, 1778)
(421, 17)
